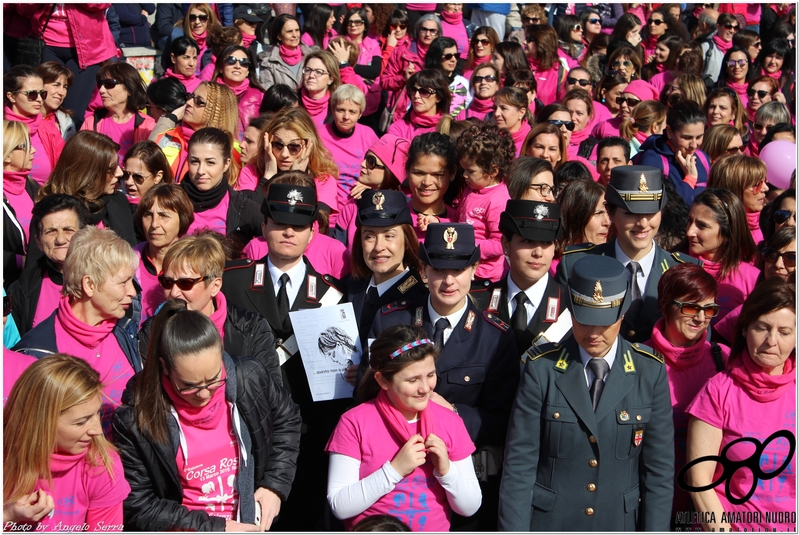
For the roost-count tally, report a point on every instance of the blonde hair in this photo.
(694, 88)
(222, 109)
(736, 172)
(353, 48)
(213, 20)
(202, 254)
(14, 133)
(644, 116)
(717, 139)
(97, 253)
(331, 64)
(348, 92)
(42, 393)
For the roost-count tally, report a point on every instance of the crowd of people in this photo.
(567, 233)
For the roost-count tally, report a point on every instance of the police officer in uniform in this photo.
(281, 281)
(478, 369)
(528, 298)
(590, 443)
(635, 198)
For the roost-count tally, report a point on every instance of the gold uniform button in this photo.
(592, 439)
(593, 463)
(589, 512)
(467, 378)
(638, 417)
(556, 415)
(591, 487)
(631, 333)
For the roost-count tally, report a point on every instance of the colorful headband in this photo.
(410, 346)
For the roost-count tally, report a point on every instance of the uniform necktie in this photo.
(600, 369)
(518, 321)
(634, 268)
(438, 335)
(283, 297)
(370, 303)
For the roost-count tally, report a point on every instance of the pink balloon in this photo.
(780, 159)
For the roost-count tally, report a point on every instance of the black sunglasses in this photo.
(572, 81)
(568, 124)
(34, 95)
(202, 18)
(294, 148)
(693, 309)
(760, 93)
(781, 216)
(232, 60)
(656, 22)
(761, 126)
(108, 83)
(6, 305)
(184, 284)
(137, 178)
(772, 255)
(425, 92)
(594, 21)
(631, 102)
(484, 42)
(371, 163)
(490, 78)
(447, 57)
(731, 26)
(531, 20)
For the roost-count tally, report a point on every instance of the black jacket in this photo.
(244, 219)
(134, 27)
(270, 425)
(25, 292)
(14, 237)
(247, 334)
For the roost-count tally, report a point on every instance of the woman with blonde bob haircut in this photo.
(54, 450)
(722, 139)
(647, 118)
(546, 141)
(745, 177)
(19, 191)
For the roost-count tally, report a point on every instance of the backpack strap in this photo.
(703, 158)
(665, 165)
(138, 121)
(99, 114)
(716, 350)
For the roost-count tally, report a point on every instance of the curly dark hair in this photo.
(381, 12)
(489, 146)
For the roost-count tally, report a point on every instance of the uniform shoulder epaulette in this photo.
(392, 307)
(579, 248)
(480, 286)
(536, 352)
(494, 320)
(238, 264)
(330, 280)
(682, 258)
(647, 351)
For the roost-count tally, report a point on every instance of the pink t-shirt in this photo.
(547, 83)
(41, 161)
(209, 469)
(108, 359)
(661, 80)
(214, 218)
(602, 112)
(57, 32)
(49, 296)
(457, 32)
(406, 130)
(327, 192)
(13, 365)
(419, 500)
(734, 288)
(327, 255)
(23, 208)
(248, 177)
(607, 128)
(82, 489)
(347, 216)
(724, 404)
(121, 133)
(451, 216)
(348, 153)
(151, 291)
(481, 209)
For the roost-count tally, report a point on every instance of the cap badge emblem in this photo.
(598, 297)
(378, 199)
(294, 197)
(643, 187)
(450, 237)
(541, 212)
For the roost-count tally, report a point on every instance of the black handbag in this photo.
(30, 50)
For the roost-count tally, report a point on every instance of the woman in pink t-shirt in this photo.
(752, 399)
(745, 177)
(400, 452)
(59, 472)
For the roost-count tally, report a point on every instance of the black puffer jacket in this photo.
(247, 334)
(270, 430)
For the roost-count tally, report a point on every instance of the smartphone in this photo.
(258, 514)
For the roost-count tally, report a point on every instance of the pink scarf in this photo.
(314, 107)
(63, 462)
(205, 417)
(187, 132)
(678, 358)
(219, 315)
(713, 268)
(396, 422)
(421, 52)
(776, 75)
(182, 77)
(651, 43)
(738, 88)
(452, 18)
(87, 335)
(479, 61)
(200, 38)
(291, 57)
(238, 90)
(641, 136)
(32, 122)
(582, 135)
(14, 181)
(760, 385)
(247, 39)
(754, 149)
(721, 44)
(753, 219)
(425, 121)
(519, 135)
(482, 105)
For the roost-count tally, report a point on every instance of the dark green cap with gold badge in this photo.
(636, 188)
(598, 289)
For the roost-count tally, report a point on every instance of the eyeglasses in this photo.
(557, 122)
(354, 22)
(484, 42)
(137, 178)
(531, 20)
(781, 216)
(198, 101)
(733, 27)
(318, 72)
(448, 57)
(594, 21)
(184, 284)
(757, 188)
(772, 255)
(202, 18)
(735, 150)
(108, 83)
(371, 163)
(490, 78)
(232, 60)
(760, 126)
(618, 64)
(22, 146)
(760, 93)
(577, 28)
(740, 63)
(631, 102)
(431, 31)
(573, 81)
(33, 95)
(211, 387)
(294, 148)
(425, 92)
(398, 26)
(693, 309)
(6, 305)
(545, 190)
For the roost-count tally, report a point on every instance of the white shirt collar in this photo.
(384, 286)
(453, 318)
(535, 293)
(296, 276)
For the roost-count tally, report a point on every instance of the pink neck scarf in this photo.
(32, 122)
(679, 358)
(14, 181)
(63, 462)
(205, 417)
(753, 219)
(396, 422)
(425, 121)
(247, 39)
(200, 38)
(452, 18)
(421, 52)
(87, 335)
(182, 77)
(482, 105)
(758, 383)
(519, 135)
(776, 75)
(314, 107)
(220, 314)
(291, 57)
(480, 61)
(738, 88)
(238, 90)
(722, 45)
(582, 135)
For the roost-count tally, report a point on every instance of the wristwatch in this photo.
(343, 64)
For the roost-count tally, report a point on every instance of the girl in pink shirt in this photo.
(485, 154)
(70, 477)
(400, 452)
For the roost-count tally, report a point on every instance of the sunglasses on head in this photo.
(33, 95)
(772, 255)
(198, 101)
(740, 63)
(6, 305)
(137, 178)
(656, 22)
(371, 163)
(184, 284)
(731, 26)
(484, 42)
(232, 60)
(424, 92)
(573, 81)
(631, 102)
(294, 148)
(490, 78)
(594, 21)
(557, 122)
(693, 309)
(760, 93)
(781, 216)
(202, 18)
(398, 26)
(447, 57)
(531, 20)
